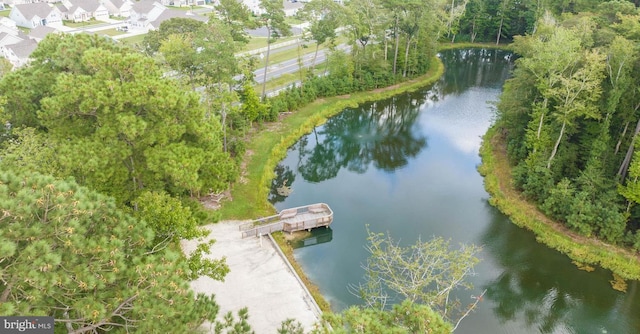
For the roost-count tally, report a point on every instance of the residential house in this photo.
(83, 10)
(36, 14)
(7, 24)
(144, 12)
(183, 3)
(18, 54)
(292, 7)
(11, 3)
(9, 32)
(120, 8)
(174, 13)
(39, 33)
(253, 5)
(9, 38)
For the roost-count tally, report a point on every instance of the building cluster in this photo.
(29, 21)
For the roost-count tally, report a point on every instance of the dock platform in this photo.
(290, 220)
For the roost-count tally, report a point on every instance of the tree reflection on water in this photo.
(381, 134)
(549, 292)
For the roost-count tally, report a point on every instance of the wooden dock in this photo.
(290, 220)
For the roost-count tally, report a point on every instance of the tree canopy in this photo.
(117, 124)
(568, 116)
(69, 252)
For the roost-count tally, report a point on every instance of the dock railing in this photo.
(290, 220)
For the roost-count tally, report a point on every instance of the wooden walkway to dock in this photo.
(290, 220)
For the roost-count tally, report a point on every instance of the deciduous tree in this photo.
(273, 19)
(425, 273)
(237, 17)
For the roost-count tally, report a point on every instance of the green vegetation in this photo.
(406, 317)
(261, 42)
(565, 124)
(5, 13)
(292, 20)
(105, 117)
(132, 41)
(136, 149)
(267, 147)
(425, 273)
(91, 22)
(110, 32)
(498, 181)
(185, 8)
(73, 255)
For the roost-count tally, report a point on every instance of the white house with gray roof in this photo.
(9, 32)
(149, 14)
(7, 23)
(83, 10)
(9, 38)
(174, 13)
(120, 8)
(39, 33)
(144, 12)
(18, 54)
(36, 14)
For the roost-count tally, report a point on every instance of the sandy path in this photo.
(259, 279)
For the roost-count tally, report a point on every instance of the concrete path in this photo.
(259, 279)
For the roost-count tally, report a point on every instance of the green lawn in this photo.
(292, 20)
(278, 56)
(82, 24)
(185, 7)
(261, 42)
(132, 41)
(110, 32)
(5, 13)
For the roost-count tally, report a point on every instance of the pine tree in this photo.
(68, 252)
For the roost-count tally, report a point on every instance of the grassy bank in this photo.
(582, 250)
(268, 146)
(451, 46)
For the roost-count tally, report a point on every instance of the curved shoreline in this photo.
(582, 250)
(268, 147)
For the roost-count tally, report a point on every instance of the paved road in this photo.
(291, 66)
(274, 71)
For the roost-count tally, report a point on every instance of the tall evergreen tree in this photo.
(68, 252)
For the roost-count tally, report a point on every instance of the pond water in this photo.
(408, 166)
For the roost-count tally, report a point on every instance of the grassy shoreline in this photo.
(495, 169)
(267, 147)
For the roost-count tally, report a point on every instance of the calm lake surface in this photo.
(407, 166)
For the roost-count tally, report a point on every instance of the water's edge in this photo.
(496, 172)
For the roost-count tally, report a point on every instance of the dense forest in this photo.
(569, 118)
(106, 149)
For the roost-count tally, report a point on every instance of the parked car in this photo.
(123, 28)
